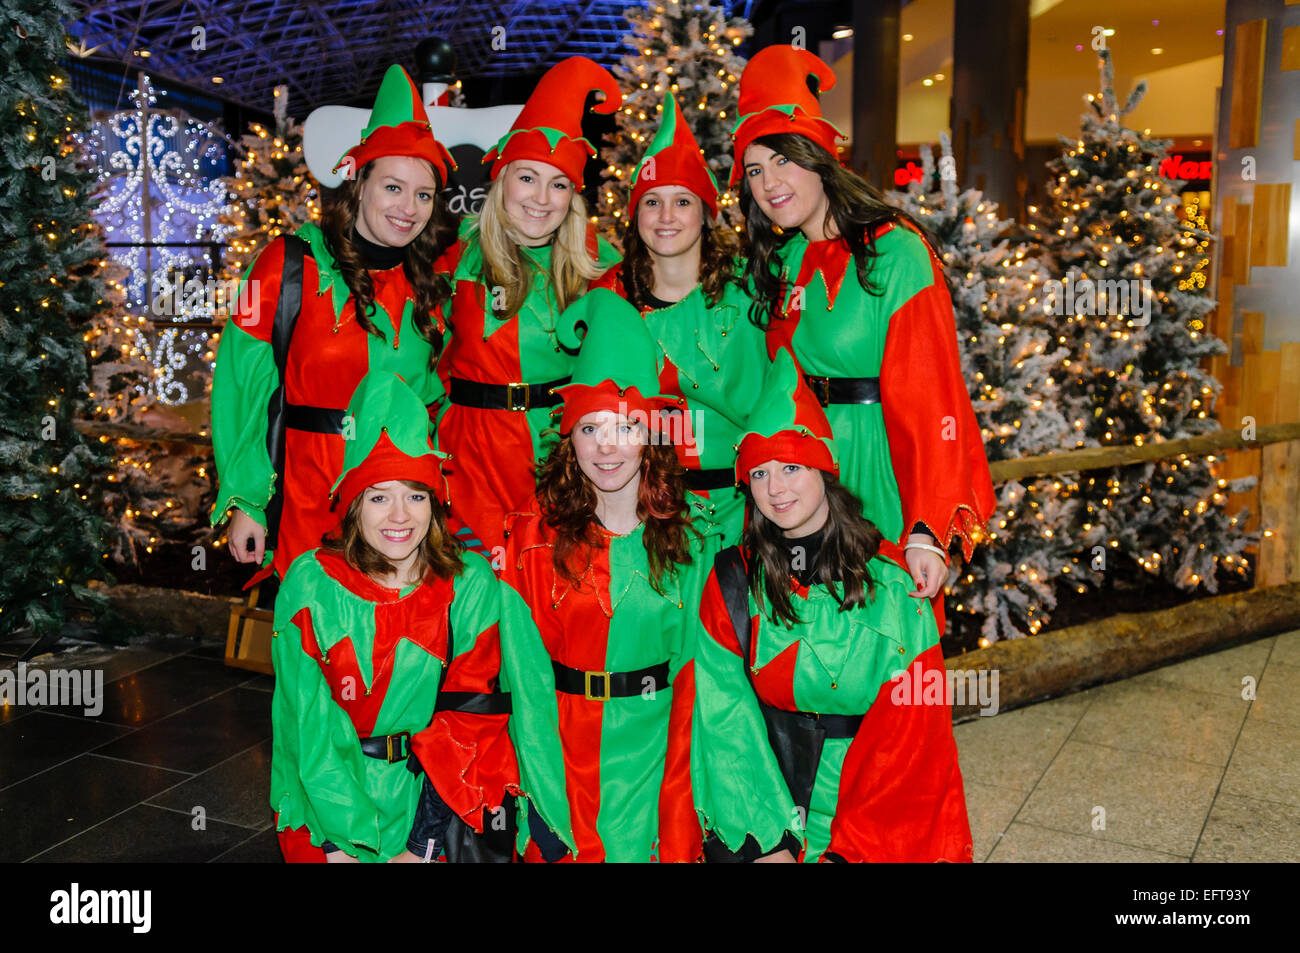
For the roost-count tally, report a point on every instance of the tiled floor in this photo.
(1173, 765)
(175, 767)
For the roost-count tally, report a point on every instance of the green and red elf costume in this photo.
(369, 677)
(320, 359)
(874, 779)
(499, 370)
(601, 674)
(707, 354)
(884, 366)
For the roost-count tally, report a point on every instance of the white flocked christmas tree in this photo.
(688, 49)
(1130, 310)
(1012, 365)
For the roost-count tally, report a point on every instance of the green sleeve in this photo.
(535, 719)
(242, 383)
(738, 786)
(317, 768)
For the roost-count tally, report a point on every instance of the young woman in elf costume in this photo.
(600, 599)
(810, 625)
(369, 297)
(679, 268)
(386, 653)
(848, 284)
(528, 255)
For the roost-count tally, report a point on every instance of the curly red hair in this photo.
(568, 507)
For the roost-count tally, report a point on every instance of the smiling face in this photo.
(396, 200)
(609, 447)
(670, 220)
(536, 198)
(791, 496)
(789, 195)
(394, 520)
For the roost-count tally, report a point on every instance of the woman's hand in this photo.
(406, 857)
(338, 857)
(929, 572)
(243, 528)
(780, 857)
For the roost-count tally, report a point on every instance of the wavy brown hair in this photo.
(849, 542)
(854, 210)
(719, 246)
(568, 506)
(431, 289)
(439, 550)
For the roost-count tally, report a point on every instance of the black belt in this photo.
(835, 726)
(844, 390)
(504, 396)
(602, 686)
(390, 748)
(474, 703)
(710, 479)
(313, 419)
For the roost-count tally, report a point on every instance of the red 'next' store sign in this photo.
(1191, 167)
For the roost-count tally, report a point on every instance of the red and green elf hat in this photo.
(398, 126)
(386, 437)
(774, 98)
(787, 424)
(674, 158)
(549, 129)
(615, 370)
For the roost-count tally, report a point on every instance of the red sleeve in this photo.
(901, 798)
(680, 837)
(469, 757)
(254, 309)
(612, 280)
(447, 262)
(934, 439)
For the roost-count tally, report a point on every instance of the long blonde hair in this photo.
(504, 265)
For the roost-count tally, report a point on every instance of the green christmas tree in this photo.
(274, 193)
(1012, 365)
(1127, 306)
(688, 49)
(52, 536)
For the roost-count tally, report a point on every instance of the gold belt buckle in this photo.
(388, 739)
(516, 404)
(586, 690)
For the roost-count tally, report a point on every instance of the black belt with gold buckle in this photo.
(516, 396)
(602, 686)
(390, 748)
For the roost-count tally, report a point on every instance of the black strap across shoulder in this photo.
(287, 309)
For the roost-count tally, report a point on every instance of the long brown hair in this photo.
(849, 541)
(568, 505)
(439, 550)
(431, 289)
(718, 248)
(854, 207)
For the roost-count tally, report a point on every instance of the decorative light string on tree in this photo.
(1134, 373)
(687, 49)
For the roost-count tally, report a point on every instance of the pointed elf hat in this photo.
(616, 368)
(549, 129)
(774, 98)
(788, 424)
(398, 126)
(674, 158)
(391, 441)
